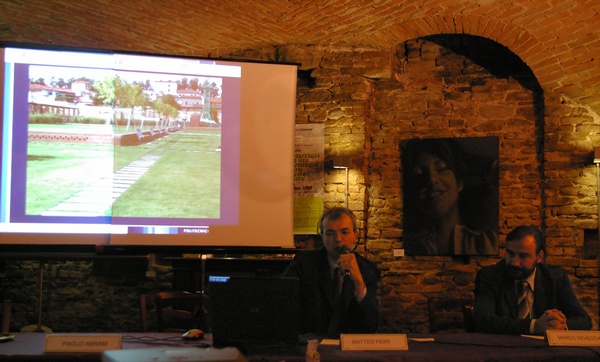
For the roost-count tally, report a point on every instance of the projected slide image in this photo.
(123, 144)
(108, 148)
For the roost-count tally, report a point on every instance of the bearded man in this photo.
(522, 295)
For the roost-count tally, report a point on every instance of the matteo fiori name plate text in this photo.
(374, 342)
(573, 338)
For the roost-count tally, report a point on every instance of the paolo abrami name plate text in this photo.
(573, 338)
(67, 342)
(374, 342)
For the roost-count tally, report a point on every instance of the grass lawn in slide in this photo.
(183, 182)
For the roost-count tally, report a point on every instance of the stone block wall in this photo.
(77, 297)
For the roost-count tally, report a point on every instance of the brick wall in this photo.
(369, 101)
(437, 87)
(558, 39)
(435, 92)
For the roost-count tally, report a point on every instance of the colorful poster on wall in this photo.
(308, 177)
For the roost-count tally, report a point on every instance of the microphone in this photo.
(345, 250)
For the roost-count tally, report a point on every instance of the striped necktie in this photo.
(524, 310)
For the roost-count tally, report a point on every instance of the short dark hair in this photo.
(335, 213)
(522, 231)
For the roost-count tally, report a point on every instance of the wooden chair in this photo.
(450, 314)
(180, 311)
(6, 314)
(148, 311)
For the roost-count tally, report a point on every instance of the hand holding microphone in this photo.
(348, 263)
(344, 262)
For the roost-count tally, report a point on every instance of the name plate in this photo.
(374, 342)
(573, 338)
(81, 342)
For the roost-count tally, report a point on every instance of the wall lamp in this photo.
(343, 162)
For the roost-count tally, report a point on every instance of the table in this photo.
(460, 347)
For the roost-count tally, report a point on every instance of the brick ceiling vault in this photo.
(558, 39)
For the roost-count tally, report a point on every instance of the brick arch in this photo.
(545, 66)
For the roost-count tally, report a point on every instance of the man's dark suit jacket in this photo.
(496, 300)
(320, 313)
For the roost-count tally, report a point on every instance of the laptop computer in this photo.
(253, 311)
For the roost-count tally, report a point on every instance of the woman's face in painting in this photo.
(438, 186)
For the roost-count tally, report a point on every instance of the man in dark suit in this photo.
(338, 287)
(522, 295)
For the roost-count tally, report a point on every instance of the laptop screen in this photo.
(247, 311)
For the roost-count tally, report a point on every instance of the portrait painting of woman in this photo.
(450, 189)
